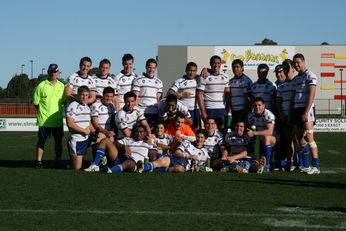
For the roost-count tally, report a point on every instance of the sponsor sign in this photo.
(20, 124)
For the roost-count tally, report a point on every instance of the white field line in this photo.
(288, 223)
(317, 214)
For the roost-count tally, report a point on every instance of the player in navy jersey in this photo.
(303, 115)
(237, 93)
(262, 121)
(237, 149)
(185, 89)
(125, 78)
(263, 87)
(210, 93)
(148, 89)
(81, 78)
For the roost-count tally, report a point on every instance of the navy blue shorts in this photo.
(196, 117)
(45, 132)
(177, 161)
(78, 148)
(218, 114)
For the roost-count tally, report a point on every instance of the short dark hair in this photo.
(151, 60)
(238, 61)
(160, 121)
(82, 89)
(259, 99)
(130, 94)
(202, 131)
(287, 64)
(190, 64)
(263, 66)
(299, 56)
(85, 59)
(108, 90)
(127, 57)
(180, 115)
(213, 58)
(210, 118)
(104, 61)
(171, 98)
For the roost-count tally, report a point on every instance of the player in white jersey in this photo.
(136, 150)
(210, 93)
(263, 87)
(303, 116)
(162, 140)
(237, 149)
(148, 89)
(81, 78)
(187, 156)
(261, 122)
(102, 112)
(214, 143)
(168, 108)
(237, 93)
(128, 116)
(125, 78)
(104, 79)
(284, 97)
(78, 120)
(185, 89)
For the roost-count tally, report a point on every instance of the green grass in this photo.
(52, 199)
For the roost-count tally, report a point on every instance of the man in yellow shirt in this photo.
(48, 99)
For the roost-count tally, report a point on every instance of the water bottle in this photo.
(228, 120)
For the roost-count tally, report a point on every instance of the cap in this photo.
(279, 68)
(53, 68)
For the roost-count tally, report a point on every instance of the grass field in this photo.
(50, 199)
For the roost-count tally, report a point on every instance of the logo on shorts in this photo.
(2, 124)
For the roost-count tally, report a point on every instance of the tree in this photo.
(2, 92)
(93, 71)
(267, 41)
(324, 43)
(19, 87)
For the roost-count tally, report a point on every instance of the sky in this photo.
(64, 31)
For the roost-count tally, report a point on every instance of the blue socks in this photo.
(268, 153)
(148, 167)
(117, 168)
(315, 162)
(99, 154)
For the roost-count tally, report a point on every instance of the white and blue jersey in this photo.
(285, 92)
(75, 81)
(181, 107)
(212, 144)
(124, 119)
(213, 87)
(103, 113)
(124, 83)
(189, 149)
(301, 85)
(239, 87)
(148, 88)
(265, 90)
(139, 149)
(184, 84)
(101, 82)
(262, 120)
(237, 144)
(165, 140)
(81, 116)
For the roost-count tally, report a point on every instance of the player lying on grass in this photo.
(188, 156)
(136, 150)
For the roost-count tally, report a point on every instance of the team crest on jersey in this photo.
(77, 80)
(89, 82)
(123, 80)
(143, 81)
(185, 83)
(156, 82)
(109, 82)
(210, 79)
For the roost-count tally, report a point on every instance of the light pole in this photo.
(32, 68)
(22, 68)
(43, 70)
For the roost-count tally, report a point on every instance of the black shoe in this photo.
(38, 165)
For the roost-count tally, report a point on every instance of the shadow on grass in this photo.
(63, 164)
(302, 183)
(292, 208)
